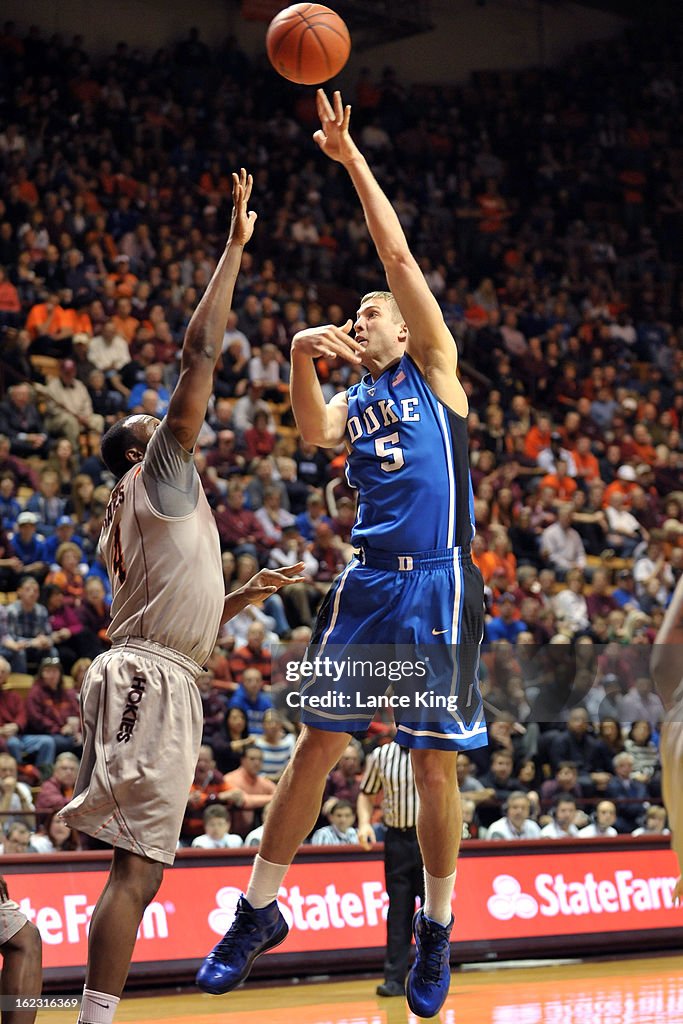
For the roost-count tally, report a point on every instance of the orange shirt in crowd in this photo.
(126, 326)
(587, 466)
(536, 441)
(78, 322)
(625, 487)
(564, 488)
(39, 316)
(9, 298)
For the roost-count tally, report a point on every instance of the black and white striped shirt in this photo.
(388, 768)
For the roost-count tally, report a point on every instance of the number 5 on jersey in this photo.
(387, 448)
(117, 563)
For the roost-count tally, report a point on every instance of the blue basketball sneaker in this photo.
(250, 934)
(430, 976)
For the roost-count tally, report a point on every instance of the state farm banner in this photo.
(506, 894)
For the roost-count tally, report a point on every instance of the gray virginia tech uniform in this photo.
(142, 713)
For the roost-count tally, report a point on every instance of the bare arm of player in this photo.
(320, 423)
(666, 661)
(204, 335)
(260, 587)
(366, 833)
(430, 343)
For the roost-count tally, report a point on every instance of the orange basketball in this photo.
(308, 43)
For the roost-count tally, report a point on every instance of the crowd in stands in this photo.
(557, 264)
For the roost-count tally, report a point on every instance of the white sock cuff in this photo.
(438, 893)
(98, 1007)
(266, 879)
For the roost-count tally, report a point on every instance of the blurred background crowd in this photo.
(545, 209)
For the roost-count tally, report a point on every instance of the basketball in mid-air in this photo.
(308, 43)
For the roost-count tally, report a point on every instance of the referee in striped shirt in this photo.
(388, 768)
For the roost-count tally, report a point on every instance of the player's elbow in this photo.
(664, 674)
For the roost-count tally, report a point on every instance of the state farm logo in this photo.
(222, 917)
(557, 896)
(312, 911)
(509, 901)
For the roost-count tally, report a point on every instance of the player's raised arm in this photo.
(430, 343)
(666, 661)
(320, 423)
(204, 335)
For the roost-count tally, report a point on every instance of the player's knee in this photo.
(434, 775)
(27, 941)
(140, 877)
(150, 882)
(318, 750)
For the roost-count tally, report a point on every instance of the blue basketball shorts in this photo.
(401, 632)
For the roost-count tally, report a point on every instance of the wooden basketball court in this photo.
(648, 991)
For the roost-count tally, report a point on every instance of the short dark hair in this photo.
(115, 444)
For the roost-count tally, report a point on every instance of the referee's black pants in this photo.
(404, 881)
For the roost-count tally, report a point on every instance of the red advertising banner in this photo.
(339, 902)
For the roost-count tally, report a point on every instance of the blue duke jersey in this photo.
(412, 596)
(409, 461)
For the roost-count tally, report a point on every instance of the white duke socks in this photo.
(266, 879)
(97, 1007)
(438, 892)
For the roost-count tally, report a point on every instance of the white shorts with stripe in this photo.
(142, 727)
(11, 920)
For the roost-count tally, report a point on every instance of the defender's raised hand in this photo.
(333, 135)
(242, 224)
(269, 581)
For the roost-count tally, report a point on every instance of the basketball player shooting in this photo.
(412, 583)
(667, 673)
(141, 709)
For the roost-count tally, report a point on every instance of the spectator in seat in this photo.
(21, 745)
(46, 503)
(230, 743)
(67, 576)
(602, 824)
(314, 514)
(58, 789)
(16, 802)
(253, 655)
(589, 754)
(343, 782)
(257, 790)
(52, 709)
(29, 546)
(214, 707)
(29, 634)
(570, 605)
(561, 545)
(217, 834)
(504, 626)
(340, 831)
(209, 788)
(238, 527)
(276, 745)
(249, 696)
(70, 413)
(517, 823)
(563, 817)
(56, 837)
(22, 423)
(655, 823)
(16, 840)
(499, 778)
(565, 783)
(627, 793)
